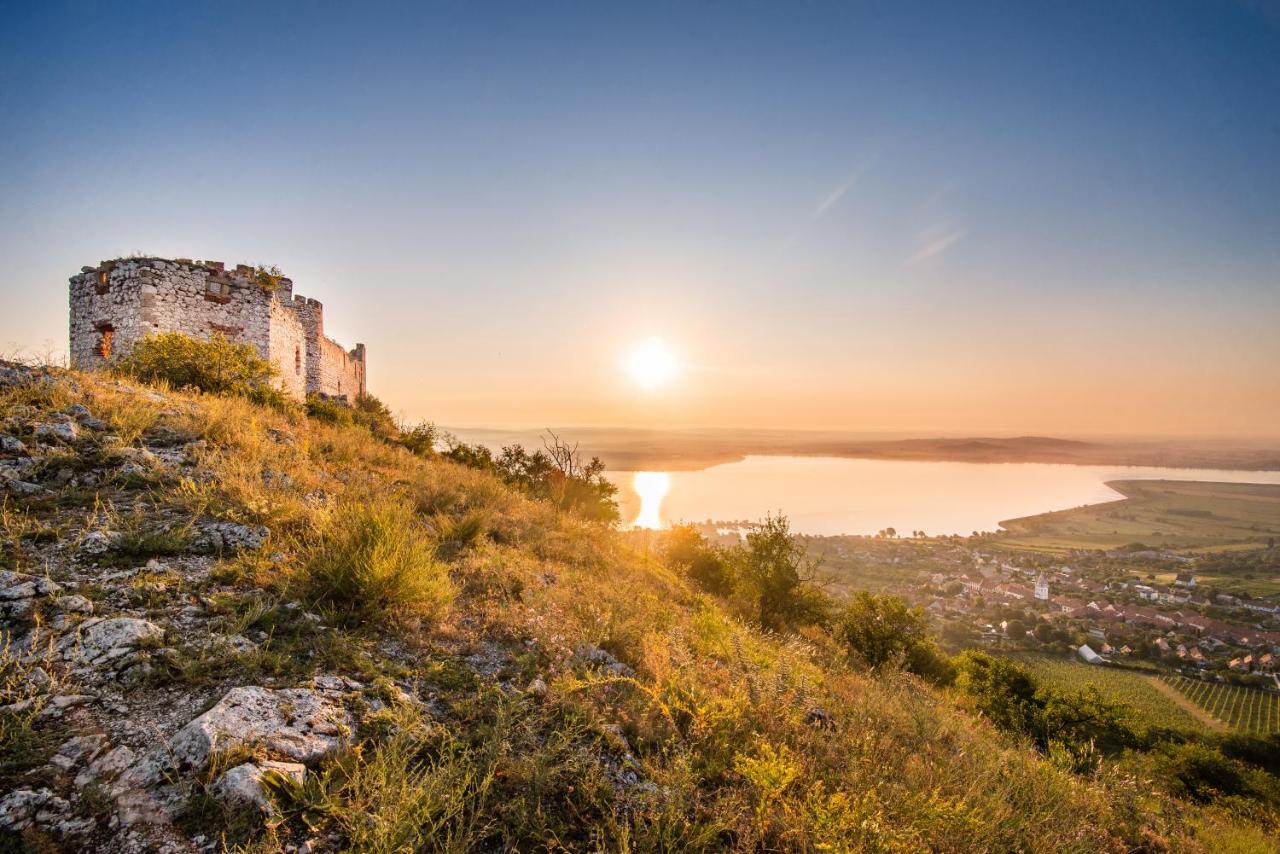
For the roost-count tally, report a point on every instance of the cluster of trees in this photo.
(557, 473)
(772, 581)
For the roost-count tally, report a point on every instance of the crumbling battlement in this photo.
(118, 303)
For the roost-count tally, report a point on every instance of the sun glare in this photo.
(653, 364)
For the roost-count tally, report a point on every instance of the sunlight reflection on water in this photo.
(651, 487)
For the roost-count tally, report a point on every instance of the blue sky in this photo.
(1009, 217)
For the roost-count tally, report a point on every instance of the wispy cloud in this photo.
(836, 195)
(824, 207)
(935, 246)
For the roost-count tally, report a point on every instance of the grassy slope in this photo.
(1162, 514)
(706, 748)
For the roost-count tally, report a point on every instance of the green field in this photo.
(1137, 690)
(1245, 709)
(1165, 514)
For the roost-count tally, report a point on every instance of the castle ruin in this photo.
(118, 303)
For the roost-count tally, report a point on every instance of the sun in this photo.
(652, 365)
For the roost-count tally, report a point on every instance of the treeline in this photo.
(769, 580)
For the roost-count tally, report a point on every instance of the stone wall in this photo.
(117, 303)
(288, 348)
(331, 370)
(341, 372)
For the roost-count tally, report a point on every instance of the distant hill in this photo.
(676, 450)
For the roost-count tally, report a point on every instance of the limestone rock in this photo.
(19, 487)
(17, 585)
(25, 807)
(215, 537)
(230, 644)
(64, 431)
(299, 723)
(110, 643)
(19, 591)
(81, 413)
(12, 375)
(11, 444)
(106, 766)
(96, 543)
(592, 654)
(74, 604)
(243, 783)
(77, 751)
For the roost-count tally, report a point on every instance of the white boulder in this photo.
(300, 723)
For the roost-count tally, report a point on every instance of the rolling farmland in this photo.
(1245, 709)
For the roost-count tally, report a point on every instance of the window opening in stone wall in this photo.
(217, 290)
(104, 282)
(106, 335)
(297, 360)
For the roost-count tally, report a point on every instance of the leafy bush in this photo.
(215, 366)
(687, 551)
(420, 439)
(376, 417)
(329, 411)
(368, 412)
(376, 562)
(1000, 689)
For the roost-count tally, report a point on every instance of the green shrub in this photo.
(775, 577)
(1001, 690)
(374, 415)
(215, 366)
(368, 412)
(420, 440)
(880, 630)
(687, 551)
(376, 562)
(329, 411)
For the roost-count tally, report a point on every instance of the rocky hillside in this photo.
(231, 628)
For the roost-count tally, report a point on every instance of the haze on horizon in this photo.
(868, 217)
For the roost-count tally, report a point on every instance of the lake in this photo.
(834, 495)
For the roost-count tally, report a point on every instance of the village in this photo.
(1142, 607)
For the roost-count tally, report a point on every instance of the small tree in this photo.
(879, 630)
(1000, 689)
(777, 576)
(577, 485)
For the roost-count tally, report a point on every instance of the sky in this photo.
(996, 218)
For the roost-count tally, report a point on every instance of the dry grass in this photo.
(706, 742)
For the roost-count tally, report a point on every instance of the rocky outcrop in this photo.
(299, 723)
(19, 593)
(112, 644)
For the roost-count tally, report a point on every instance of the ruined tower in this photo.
(120, 302)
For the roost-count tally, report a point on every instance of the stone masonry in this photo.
(118, 303)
